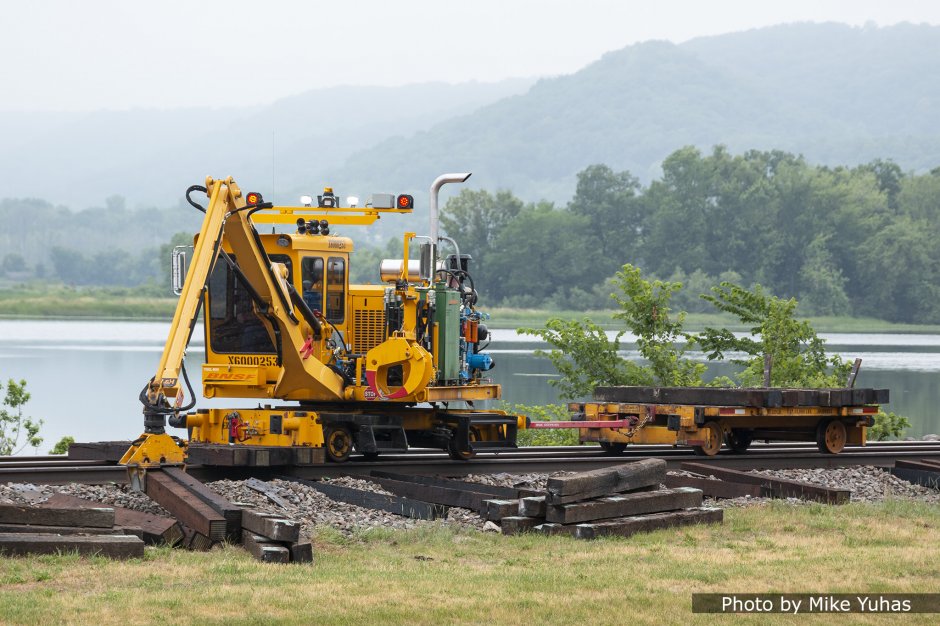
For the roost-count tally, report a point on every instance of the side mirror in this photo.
(426, 268)
(178, 268)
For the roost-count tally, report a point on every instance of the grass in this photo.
(62, 302)
(434, 575)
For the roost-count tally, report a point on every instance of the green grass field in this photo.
(434, 575)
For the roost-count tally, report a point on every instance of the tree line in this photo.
(860, 241)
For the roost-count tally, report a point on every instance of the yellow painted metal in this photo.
(298, 427)
(482, 391)
(153, 450)
(303, 427)
(403, 276)
(366, 326)
(345, 216)
(223, 196)
(398, 352)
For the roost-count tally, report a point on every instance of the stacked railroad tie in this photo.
(208, 518)
(272, 539)
(199, 520)
(621, 500)
(49, 529)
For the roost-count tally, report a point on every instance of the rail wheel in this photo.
(338, 443)
(830, 436)
(712, 436)
(612, 448)
(460, 455)
(739, 440)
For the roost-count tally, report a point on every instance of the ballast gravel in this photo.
(867, 483)
(316, 510)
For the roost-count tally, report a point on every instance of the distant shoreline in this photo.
(107, 307)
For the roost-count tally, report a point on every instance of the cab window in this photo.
(312, 282)
(336, 290)
(233, 325)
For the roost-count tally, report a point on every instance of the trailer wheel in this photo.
(612, 448)
(739, 440)
(830, 436)
(711, 432)
(338, 443)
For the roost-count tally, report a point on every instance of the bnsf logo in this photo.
(252, 360)
(230, 376)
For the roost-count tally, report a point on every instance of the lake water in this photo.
(84, 376)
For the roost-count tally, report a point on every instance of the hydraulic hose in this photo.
(193, 202)
(167, 410)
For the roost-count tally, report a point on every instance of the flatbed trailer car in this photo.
(705, 418)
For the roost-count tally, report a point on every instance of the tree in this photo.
(644, 308)
(900, 268)
(586, 358)
(888, 426)
(543, 254)
(798, 354)
(610, 202)
(889, 176)
(13, 262)
(823, 284)
(62, 445)
(474, 219)
(13, 423)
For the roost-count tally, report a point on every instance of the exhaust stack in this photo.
(439, 182)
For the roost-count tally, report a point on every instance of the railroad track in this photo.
(59, 470)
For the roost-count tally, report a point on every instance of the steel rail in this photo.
(63, 474)
(38, 470)
(490, 465)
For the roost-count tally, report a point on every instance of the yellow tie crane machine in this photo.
(370, 367)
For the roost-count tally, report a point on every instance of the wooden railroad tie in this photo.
(496, 491)
(186, 506)
(113, 546)
(774, 487)
(627, 526)
(155, 529)
(625, 505)
(406, 507)
(447, 496)
(606, 481)
(229, 510)
(754, 397)
(714, 488)
(924, 472)
(96, 517)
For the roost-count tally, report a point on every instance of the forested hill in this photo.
(834, 93)
(150, 156)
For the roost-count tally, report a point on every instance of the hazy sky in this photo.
(90, 54)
